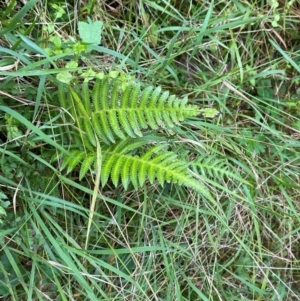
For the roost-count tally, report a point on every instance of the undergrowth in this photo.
(90, 205)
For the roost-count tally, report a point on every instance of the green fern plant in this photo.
(122, 116)
(116, 111)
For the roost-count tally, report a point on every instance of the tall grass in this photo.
(65, 239)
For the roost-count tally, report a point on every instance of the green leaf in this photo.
(209, 113)
(90, 32)
(65, 77)
(2, 212)
(86, 164)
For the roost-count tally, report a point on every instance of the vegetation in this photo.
(149, 150)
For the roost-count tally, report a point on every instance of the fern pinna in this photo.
(119, 114)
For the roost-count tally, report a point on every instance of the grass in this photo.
(65, 239)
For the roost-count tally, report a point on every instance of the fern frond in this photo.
(131, 168)
(113, 110)
(121, 164)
